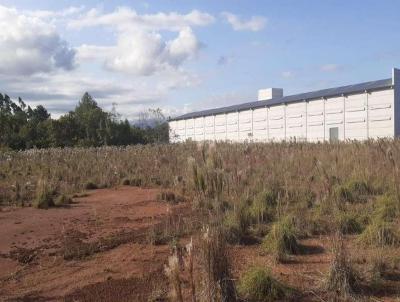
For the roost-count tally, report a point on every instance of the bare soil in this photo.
(99, 249)
(104, 232)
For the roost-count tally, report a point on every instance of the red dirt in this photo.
(103, 214)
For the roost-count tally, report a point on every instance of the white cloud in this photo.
(287, 74)
(140, 48)
(255, 23)
(330, 67)
(125, 18)
(28, 45)
(144, 53)
(67, 12)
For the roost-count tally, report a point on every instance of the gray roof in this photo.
(331, 92)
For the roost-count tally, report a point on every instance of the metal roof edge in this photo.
(329, 92)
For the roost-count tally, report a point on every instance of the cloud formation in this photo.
(330, 67)
(140, 48)
(255, 23)
(28, 45)
(125, 18)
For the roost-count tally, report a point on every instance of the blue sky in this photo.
(189, 55)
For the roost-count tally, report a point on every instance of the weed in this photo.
(217, 281)
(44, 197)
(258, 285)
(62, 200)
(348, 223)
(281, 241)
(342, 279)
(262, 207)
(379, 233)
(236, 223)
(352, 191)
(90, 186)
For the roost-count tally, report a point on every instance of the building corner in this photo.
(396, 103)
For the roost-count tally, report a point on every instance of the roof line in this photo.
(330, 92)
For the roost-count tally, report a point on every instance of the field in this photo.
(202, 222)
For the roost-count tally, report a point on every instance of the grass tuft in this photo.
(62, 200)
(281, 241)
(91, 186)
(258, 285)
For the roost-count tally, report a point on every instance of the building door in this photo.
(333, 134)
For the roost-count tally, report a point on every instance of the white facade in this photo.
(356, 115)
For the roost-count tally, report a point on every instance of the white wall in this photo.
(260, 125)
(334, 116)
(381, 114)
(245, 125)
(209, 128)
(232, 119)
(199, 128)
(190, 129)
(396, 102)
(220, 127)
(296, 121)
(357, 117)
(276, 123)
(315, 121)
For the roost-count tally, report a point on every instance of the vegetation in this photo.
(86, 126)
(278, 195)
(281, 241)
(258, 285)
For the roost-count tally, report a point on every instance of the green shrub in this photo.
(258, 285)
(380, 233)
(352, 191)
(136, 182)
(342, 278)
(382, 230)
(262, 207)
(282, 239)
(170, 197)
(236, 223)
(386, 208)
(91, 186)
(348, 223)
(62, 200)
(126, 182)
(44, 200)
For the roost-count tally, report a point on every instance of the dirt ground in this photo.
(98, 249)
(33, 246)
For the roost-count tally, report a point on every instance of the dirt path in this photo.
(33, 244)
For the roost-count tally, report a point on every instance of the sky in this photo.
(182, 55)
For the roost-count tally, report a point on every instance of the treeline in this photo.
(22, 127)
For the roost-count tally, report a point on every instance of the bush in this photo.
(217, 282)
(258, 285)
(352, 191)
(282, 240)
(44, 200)
(379, 233)
(126, 182)
(236, 224)
(382, 230)
(170, 197)
(62, 200)
(348, 223)
(386, 208)
(342, 279)
(91, 186)
(136, 182)
(262, 207)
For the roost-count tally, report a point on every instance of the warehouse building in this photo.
(362, 111)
